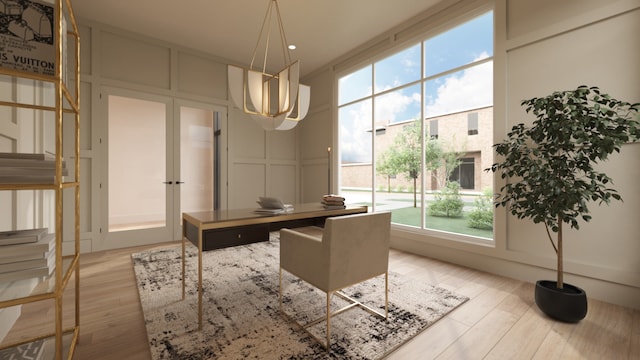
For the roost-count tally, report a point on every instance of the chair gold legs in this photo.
(352, 303)
(280, 292)
(328, 343)
(386, 295)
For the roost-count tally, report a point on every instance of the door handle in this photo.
(179, 182)
(168, 182)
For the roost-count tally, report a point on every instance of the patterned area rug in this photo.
(240, 308)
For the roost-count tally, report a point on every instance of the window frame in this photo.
(372, 60)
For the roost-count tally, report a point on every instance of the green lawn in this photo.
(411, 216)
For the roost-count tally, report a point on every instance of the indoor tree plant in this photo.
(551, 179)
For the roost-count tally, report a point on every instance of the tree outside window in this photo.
(434, 101)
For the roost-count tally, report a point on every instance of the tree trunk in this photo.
(560, 269)
(415, 191)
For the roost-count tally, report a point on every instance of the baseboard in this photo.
(619, 294)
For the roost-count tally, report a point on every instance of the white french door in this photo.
(198, 160)
(160, 160)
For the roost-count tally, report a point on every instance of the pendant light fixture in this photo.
(278, 101)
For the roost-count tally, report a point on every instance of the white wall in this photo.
(541, 46)
(260, 163)
(255, 163)
(558, 46)
(316, 136)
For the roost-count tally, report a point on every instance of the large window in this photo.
(415, 130)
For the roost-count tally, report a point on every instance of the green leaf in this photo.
(549, 166)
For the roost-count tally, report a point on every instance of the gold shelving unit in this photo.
(66, 44)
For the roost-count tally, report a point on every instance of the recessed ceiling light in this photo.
(292, 47)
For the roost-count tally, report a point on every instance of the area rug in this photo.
(241, 319)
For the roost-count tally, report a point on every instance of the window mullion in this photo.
(373, 140)
(458, 69)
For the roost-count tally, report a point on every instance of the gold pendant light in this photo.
(276, 102)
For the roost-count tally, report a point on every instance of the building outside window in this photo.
(434, 101)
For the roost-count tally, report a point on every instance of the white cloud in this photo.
(472, 88)
(394, 105)
(355, 139)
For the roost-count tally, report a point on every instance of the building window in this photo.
(464, 174)
(472, 123)
(433, 129)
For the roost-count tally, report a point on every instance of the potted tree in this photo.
(551, 179)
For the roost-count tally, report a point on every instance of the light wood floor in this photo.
(499, 322)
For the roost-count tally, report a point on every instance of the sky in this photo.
(458, 72)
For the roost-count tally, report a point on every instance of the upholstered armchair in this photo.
(350, 250)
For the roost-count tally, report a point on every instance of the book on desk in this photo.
(272, 206)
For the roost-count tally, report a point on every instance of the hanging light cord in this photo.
(266, 24)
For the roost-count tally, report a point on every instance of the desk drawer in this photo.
(242, 235)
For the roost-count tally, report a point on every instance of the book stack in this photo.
(26, 254)
(24, 168)
(333, 202)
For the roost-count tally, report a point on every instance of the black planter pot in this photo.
(568, 304)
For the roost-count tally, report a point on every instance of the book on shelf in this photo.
(48, 261)
(26, 274)
(45, 244)
(25, 257)
(28, 168)
(28, 179)
(15, 237)
(29, 163)
(26, 261)
(27, 156)
(30, 171)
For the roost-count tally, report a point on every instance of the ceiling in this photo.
(323, 30)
